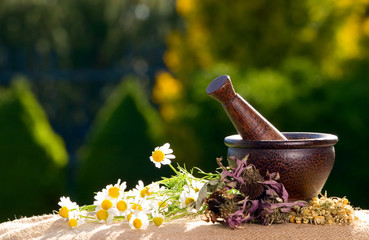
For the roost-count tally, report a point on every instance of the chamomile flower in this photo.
(139, 220)
(106, 215)
(139, 204)
(141, 190)
(196, 185)
(187, 197)
(66, 207)
(105, 207)
(116, 190)
(122, 205)
(75, 219)
(157, 218)
(160, 203)
(155, 188)
(129, 213)
(104, 201)
(162, 155)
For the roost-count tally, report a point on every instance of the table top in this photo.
(54, 227)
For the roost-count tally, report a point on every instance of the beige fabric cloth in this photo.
(53, 227)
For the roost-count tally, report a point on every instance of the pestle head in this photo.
(221, 89)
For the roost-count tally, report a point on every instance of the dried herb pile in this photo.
(244, 196)
(324, 210)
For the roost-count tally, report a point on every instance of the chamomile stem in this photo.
(88, 217)
(88, 208)
(175, 171)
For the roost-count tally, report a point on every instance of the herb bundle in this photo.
(244, 196)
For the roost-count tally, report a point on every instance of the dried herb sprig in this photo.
(246, 196)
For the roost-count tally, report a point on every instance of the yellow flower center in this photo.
(162, 204)
(196, 189)
(129, 217)
(114, 192)
(136, 206)
(145, 192)
(64, 212)
(158, 156)
(106, 204)
(158, 221)
(102, 214)
(122, 205)
(189, 200)
(72, 222)
(137, 223)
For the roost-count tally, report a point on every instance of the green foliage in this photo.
(125, 132)
(262, 34)
(302, 65)
(32, 156)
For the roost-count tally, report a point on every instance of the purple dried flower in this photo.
(260, 199)
(236, 219)
(236, 173)
(277, 187)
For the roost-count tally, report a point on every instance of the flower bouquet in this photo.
(233, 195)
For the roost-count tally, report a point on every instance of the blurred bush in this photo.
(32, 156)
(83, 34)
(75, 53)
(125, 132)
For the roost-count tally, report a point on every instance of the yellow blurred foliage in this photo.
(344, 4)
(167, 88)
(347, 38)
(330, 33)
(168, 111)
(365, 27)
(331, 68)
(198, 39)
(184, 7)
(172, 55)
(308, 34)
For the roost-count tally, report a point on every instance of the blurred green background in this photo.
(88, 88)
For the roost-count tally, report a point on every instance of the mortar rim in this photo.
(295, 140)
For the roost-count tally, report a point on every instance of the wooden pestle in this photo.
(250, 124)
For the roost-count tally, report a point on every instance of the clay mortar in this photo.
(304, 161)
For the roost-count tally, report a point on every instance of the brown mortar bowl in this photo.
(304, 161)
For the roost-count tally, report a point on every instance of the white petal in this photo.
(165, 147)
(165, 161)
(167, 151)
(123, 186)
(170, 156)
(140, 184)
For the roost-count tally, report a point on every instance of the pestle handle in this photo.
(249, 123)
